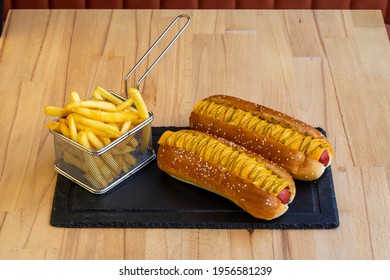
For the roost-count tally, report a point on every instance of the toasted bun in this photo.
(193, 169)
(298, 164)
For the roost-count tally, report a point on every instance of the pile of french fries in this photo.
(94, 124)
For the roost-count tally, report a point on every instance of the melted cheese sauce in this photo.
(312, 147)
(236, 162)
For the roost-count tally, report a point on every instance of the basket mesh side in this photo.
(98, 173)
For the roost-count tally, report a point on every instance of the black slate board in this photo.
(153, 199)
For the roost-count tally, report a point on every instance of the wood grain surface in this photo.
(328, 68)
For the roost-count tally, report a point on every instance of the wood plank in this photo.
(328, 68)
(87, 43)
(22, 149)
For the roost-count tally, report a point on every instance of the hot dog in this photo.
(258, 186)
(298, 147)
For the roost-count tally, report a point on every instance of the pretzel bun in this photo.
(298, 147)
(258, 186)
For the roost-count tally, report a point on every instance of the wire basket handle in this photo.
(161, 55)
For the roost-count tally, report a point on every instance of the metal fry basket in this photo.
(98, 171)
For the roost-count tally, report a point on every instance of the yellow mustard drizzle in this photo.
(308, 145)
(236, 162)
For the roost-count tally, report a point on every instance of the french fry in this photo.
(64, 129)
(130, 159)
(125, 150)
(113, 132)
(94, 172)
(99, 133)
(92, 104)
(94, 140)
(68, 149)
(103, 168)
(105, 140)
(146, 137)
(55, 111)
(54, 126)
(72, 128)
(133, 142)
(124, 166)
(93, 181)
(74, 96)
(107, 95)
(97, 95)
(126, 126)
(62, 120)
(114, 124)
(111, 162)
(73, 160)
(126, 104)
(83, 139)
(103, 116)
(139, 103)
(131, 108)
(107, 157)
(137, 122)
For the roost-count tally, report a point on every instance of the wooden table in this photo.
(328, 68)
